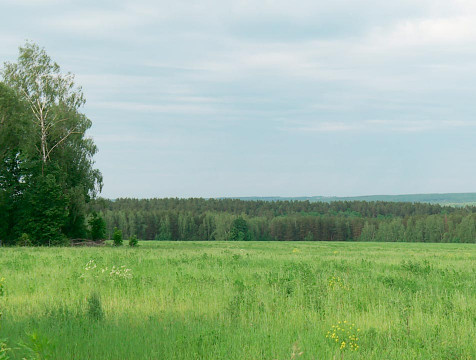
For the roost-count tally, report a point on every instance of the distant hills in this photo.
(458, 199)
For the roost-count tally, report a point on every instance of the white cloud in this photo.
(426, 32)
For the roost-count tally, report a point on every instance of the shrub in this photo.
(133, 242)
(24, 240)
(117, 237)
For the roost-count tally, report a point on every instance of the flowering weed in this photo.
(120, 272)
(117, 272)
(344, 335)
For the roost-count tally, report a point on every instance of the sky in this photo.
(217, 98)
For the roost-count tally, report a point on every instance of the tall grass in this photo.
(223, 300)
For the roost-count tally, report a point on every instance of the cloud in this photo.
(442, 31)
(252, 80)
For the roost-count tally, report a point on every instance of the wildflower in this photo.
(116, 271)
(121, 272)
(91, 265)
(344, 336)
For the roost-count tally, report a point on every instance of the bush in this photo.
(133, 241)
(117, 237)
(24, 240)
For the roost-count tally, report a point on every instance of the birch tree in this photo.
(47, 92)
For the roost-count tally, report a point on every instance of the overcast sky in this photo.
(260, 98)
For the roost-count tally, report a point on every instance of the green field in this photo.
(231, 300)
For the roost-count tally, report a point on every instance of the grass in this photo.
(223, 300)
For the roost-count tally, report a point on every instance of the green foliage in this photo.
(24, 240)
(133, 242)
(213, 219)
(164, 230)
(43, 143)
(38, 346)
(239, 230)
(13, 130)
(117, 237)
(392, 230)
(97, 227)
(368, 232)
(466, 230)
(47, 211)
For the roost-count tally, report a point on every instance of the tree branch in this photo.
(63, 139)
(54, 123)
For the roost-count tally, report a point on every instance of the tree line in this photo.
(232, 219)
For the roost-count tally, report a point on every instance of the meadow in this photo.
(239, 300)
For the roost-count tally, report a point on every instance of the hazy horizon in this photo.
(301, 196)
(239, 98)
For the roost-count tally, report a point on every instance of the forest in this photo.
(234, 219)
